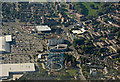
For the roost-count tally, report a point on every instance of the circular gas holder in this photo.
(55, 66)
(55, 62)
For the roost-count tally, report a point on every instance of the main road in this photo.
(76, 55)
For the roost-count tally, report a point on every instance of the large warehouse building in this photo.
(4, 43)
(6, 69)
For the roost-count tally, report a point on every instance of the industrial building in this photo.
(43, 28)
(7, 69)
(53, 42)
(59, 47)
(56, 49)
(4, 43)
(62, 46)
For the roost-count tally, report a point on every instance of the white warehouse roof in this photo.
(5, 69)
(43, 28)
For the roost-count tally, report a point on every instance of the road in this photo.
(76, 55)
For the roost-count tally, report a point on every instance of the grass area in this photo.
(72, 72)
(92, 11)
(92, 8)
(43, 74)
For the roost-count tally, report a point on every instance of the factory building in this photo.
(4, 43)
(53, 42)
(62, 46)
(7, 69)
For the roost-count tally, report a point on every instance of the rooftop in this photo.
(79, 31)
(4, 46)
(8, 38)
(5, 69)
(43, 28)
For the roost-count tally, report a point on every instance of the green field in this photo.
(90, 10)
(72, 72)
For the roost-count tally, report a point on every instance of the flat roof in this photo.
(0, 31)
(62, 45)
(43, 28)
(0, 43)
(5, 69)
(8, 38)
(39, 56)
(79, 31)
(4, 45)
